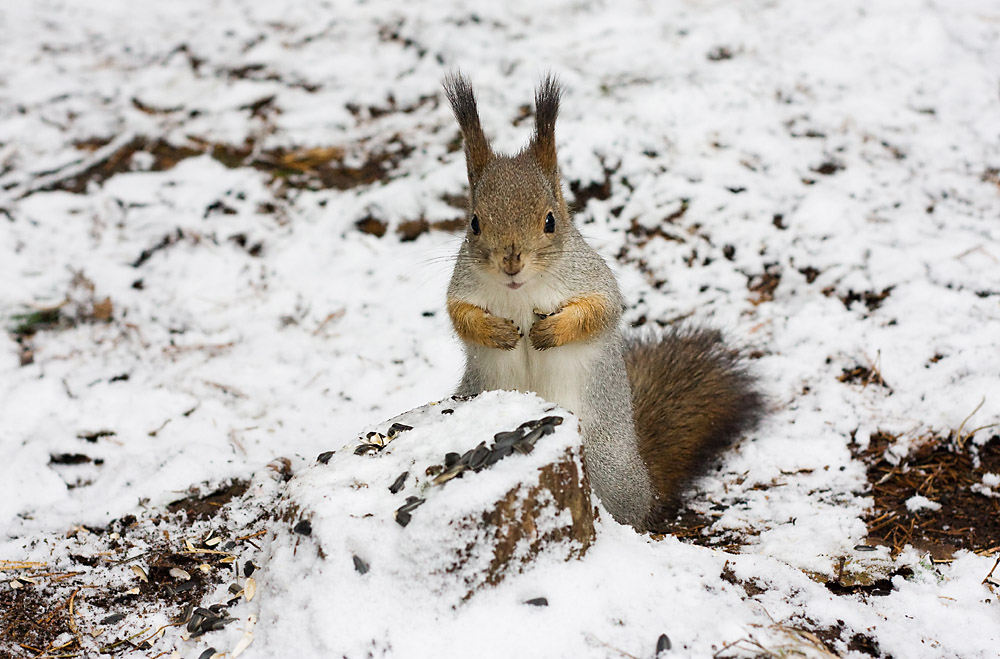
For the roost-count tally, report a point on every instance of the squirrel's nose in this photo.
(512, 264)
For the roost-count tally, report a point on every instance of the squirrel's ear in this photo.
(463, 103)
(546, 110)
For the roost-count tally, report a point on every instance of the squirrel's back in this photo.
(691, 397)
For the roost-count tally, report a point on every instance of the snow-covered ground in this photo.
(822, 181)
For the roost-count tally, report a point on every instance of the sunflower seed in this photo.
(397, 484)
(140, 573)
(478, 459)
(243, 644)
(662, 644)
(219, 623)
(113, 618)
(207, 654)
(538, 601)
(865, 548)
(496, 455)
(411, 504)
(248, 568)
(360, 565)
(178, 573)
(304, 527)
(397, 428)
(235, 589)
(507, 437)
(447, 411)
(453, 471)
(212, 541)
(450, 459)
(324, 457)
(403, 512)
(250, 588)
(185, 614)
(523, 447)
(194, 623)
(180, 588)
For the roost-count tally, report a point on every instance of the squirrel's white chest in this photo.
(556, 374)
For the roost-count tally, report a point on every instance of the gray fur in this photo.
(511, 196)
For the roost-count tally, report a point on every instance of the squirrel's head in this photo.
(518, 220)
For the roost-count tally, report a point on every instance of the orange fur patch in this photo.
(581, 318)
(476, 325)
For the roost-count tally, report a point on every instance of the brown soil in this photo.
(206, 506)
(85, 596)
(310, 168)
(942, 470)
(764, 284)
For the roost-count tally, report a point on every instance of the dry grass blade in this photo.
(20, 565)
(961, 439)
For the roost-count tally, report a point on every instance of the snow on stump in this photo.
(445, 499)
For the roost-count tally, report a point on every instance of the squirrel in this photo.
(653, 410)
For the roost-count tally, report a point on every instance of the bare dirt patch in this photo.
(313, 168)
(107, 590)
(946, 472)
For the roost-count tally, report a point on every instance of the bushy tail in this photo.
(692, 397)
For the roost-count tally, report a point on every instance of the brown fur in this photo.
(546, 110)
(475, 324)
(581, 318)
(692, 398)
(478, 152)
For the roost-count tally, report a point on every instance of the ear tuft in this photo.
(463, 103)
(546, 110)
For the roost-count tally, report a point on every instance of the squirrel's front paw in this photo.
(544, 333)
(502, 333)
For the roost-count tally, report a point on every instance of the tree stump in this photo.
(491, 484)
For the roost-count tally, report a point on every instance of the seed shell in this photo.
(397, 484)
(249, 588)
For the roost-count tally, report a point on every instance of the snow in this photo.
(917, 502)
(234, 359)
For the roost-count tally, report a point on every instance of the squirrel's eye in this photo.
(475, 225)
(550, 223)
